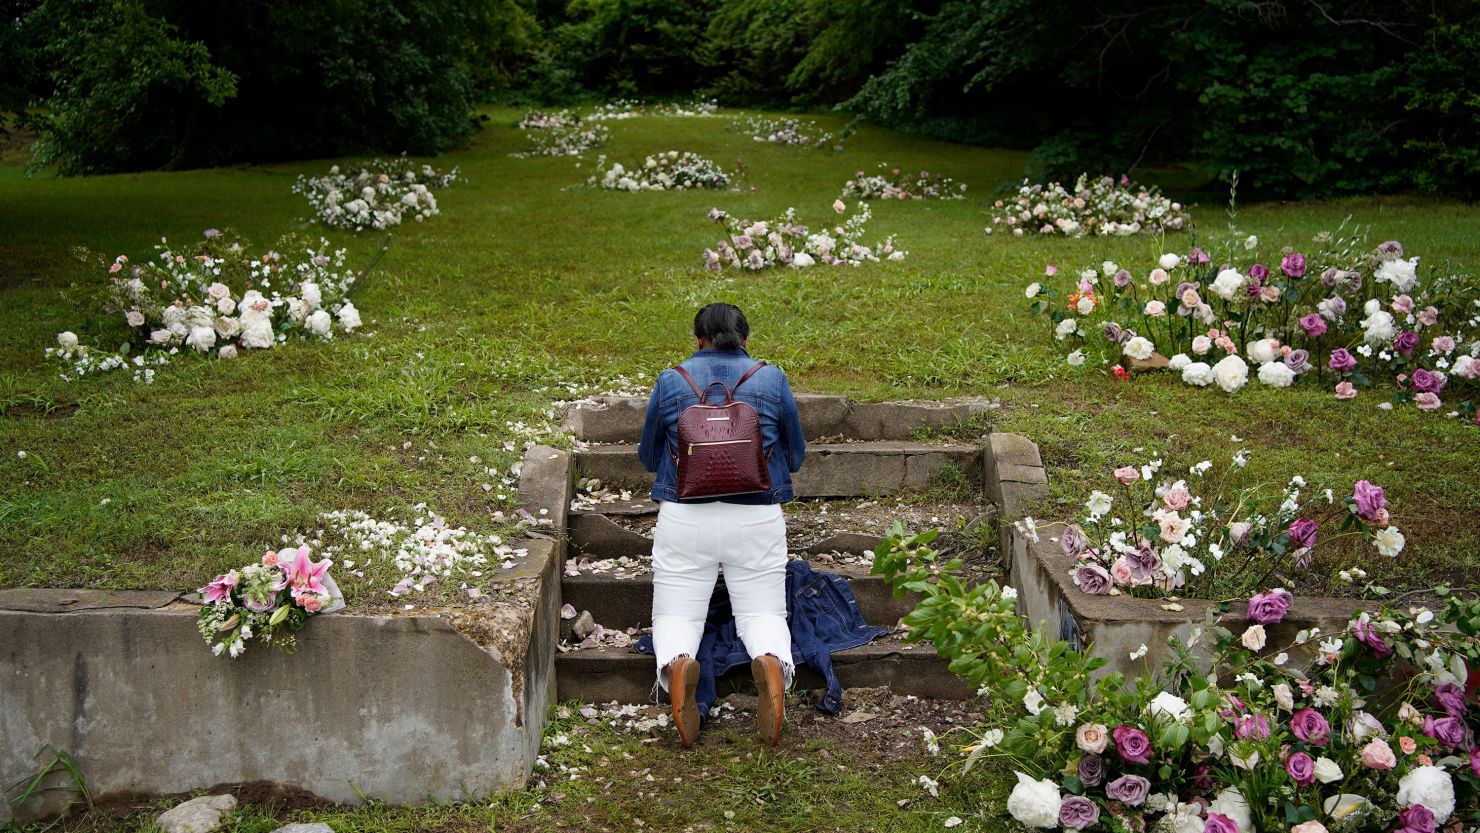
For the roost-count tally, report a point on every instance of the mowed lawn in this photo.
(531, 288)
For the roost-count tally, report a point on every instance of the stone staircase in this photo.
(858, 456)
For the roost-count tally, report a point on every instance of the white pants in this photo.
(691, 542)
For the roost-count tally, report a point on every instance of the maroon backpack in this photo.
(719, 446)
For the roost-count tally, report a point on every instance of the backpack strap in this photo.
(690, 380)
(703, 393)
(749, 373)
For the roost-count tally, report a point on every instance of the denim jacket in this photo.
(767, 391)
(822, 613)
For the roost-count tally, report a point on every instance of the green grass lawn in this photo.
(530, 286)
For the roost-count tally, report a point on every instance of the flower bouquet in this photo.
(1100, 206)
(665, 171)
(216, 298)
(1153, 534)
(1343, 316)
(1367, 729)
(269, 601)
(377, 195)
(893, 184)
(785, 242)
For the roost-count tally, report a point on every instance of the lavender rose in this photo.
(1391, 247)
(1303, 533)
(1406, 342)
(1313, 325)
(1425, 381)
(1129, 789)
(1092, 579)
(1123, 278)
(1302, 769)
(1078, 812)
(1073, 542)
(1112, 332)
(1342, 361)
(1132, 744)
(1202, 777)
(1091, 770)
(1415, 818)
(1258, 272)
(1309, 726)
(1144, 562)
(1219, 823)
(1268, 608)
(1298, 360)
(1369, 499)
(1450, 732)
(1293, 264)
(1328, 277)
(1368, 635)
(1451, 698)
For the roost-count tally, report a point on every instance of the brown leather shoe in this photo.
(770, 688)
(683, 681)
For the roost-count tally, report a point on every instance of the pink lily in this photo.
(303, 575)
(220, 588)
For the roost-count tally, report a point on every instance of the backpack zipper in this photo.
(717, 442)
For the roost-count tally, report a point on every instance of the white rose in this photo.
(1231, 803)
(1033, 702)
(1198, 373)
(1169, 261)
(312, 295)
(202, 338)
(1263, 350)
(1254, 638)
(1228, 284)
(1139, 348)
(1389, 542)
(1251, 243)
(349, 317)
(1035, 803)
(217, 291)
(1276, 375)
(67, 340)
(1327, 771)
(257, 332)
(173, 315)
(1076, 358)
(1465, 367)
(1231, 373)
(1169, 705)
(1402, 274)
(1426, 785)
(1064, 329)
(297, 310)
(225, 306)
(802, 259)
(1033, 290)
(1109, 267)
(227, 352)
(227, 327)
(1185, 818)
(1283, 696)
(1201, 345)
(318, 323)
(1179, 361)
(1099, 503)
(1378, 327)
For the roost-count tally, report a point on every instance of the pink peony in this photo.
(1126, 475)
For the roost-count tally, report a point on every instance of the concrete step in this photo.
(601, 675)
(618, 419)
(861, 469)
(621, 603)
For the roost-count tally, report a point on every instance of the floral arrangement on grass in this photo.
(1367, 729)
(666, 171)
(894, 184)
(217, 299)
(269, 601)
(565, 139)
(548, 120)
(789, 131)
(1192, 534)
(1100, 206)
(626, 108)
(377, 195)
(786, 242)
(1342, 317)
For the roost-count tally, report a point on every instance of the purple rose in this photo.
(1128, 789)
(1314, 325)
(1354, 281)
(1091, 770)
(1219, 823)
(1475, 761)
(1369, 499)
(1405, 342)
(1391, 247)
(1451, 698)
(1425, 381)
(1302, 769)
(1293, 264)
(1328, 277)
(1144, 562)
(1078, 812)
(1131, 744)
(1303, 533)
(1255, 726)
(1342, 361)
(1335, 308)
(1092, 579)
(1308, 725)
(1112, 332)
(1258, 272)
(1198, 257)
(1202, 777)
(1123, 278)
(1368, 635)
(1298, 360)
(1268, 608)
(1072, 541)
(1415, 818)
(1450, 732)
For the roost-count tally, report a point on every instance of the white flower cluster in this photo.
(543, 120)
(787, 131)
(785, 242)
(421, 553)
(666, 171)
(626, 108)
(572, 139)
(1100, 206)
(376, 196)
(894, 184)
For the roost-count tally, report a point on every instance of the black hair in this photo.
(722, 325)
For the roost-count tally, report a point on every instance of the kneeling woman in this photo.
(745, 534)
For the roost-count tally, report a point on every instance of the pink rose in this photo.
(1159, 276)
(1345, 390)
(1378, 755)
(1428, 401)
(1126, 475)
(135, 318)
(1226, 344)
(1429, 316)
(1444, 345)
(1120, 570)
(270, 559)
(1406, 744)
(1311, 826)
(1403, 304)
(1269, 293)
(1177, 498)
(1050, 270)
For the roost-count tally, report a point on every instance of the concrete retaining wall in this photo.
(1109, 626)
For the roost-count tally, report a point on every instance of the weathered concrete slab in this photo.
(600, 537)
(605, 674)
(38, 600)
(546, 480)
